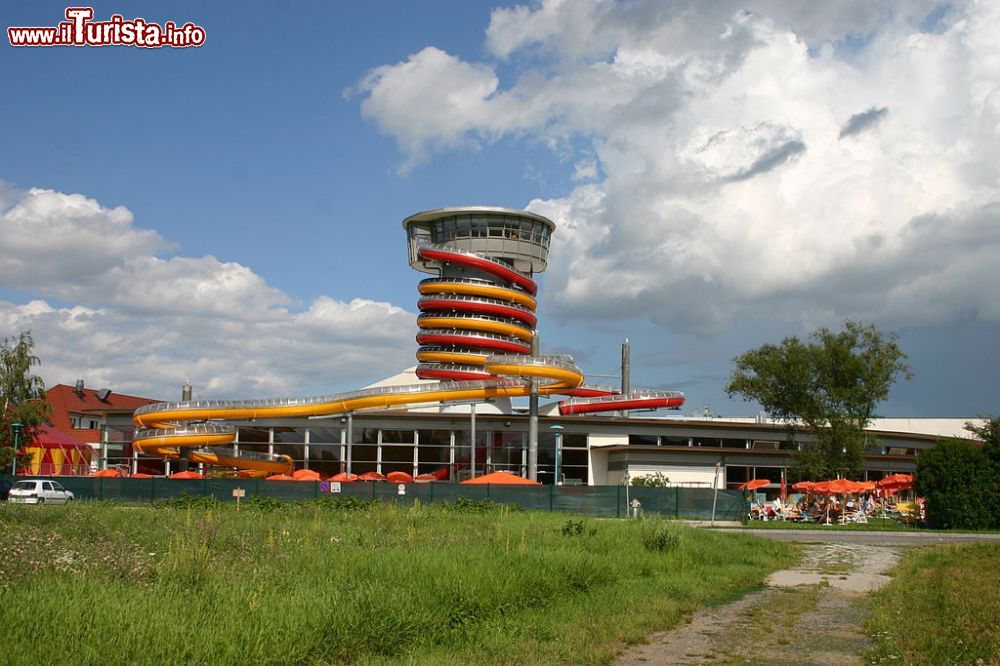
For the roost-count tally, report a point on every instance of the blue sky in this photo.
(709, 194)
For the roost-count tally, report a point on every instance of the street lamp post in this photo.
(17, 445)
(558, 433)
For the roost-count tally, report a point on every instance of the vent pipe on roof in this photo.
(626, 367)
(186, 392)
(79, 388)
(103, 394)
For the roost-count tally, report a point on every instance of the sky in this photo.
(721, 174)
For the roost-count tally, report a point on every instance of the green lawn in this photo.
(320, 583)
(942, 607)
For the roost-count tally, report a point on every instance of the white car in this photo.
(36, 491)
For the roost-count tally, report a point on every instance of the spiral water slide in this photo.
(477, 324)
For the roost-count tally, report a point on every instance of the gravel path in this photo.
(811, 614)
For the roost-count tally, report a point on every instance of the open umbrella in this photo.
(425, 478)
(109, 473)
(837, 487)
(280, 477)
(399, 477)
(141, 475)
(186, 475)
(501, 478)
(371, 476)
(896, 482)
(344, 477)
(803, 486)
(755, 484)
(305, 475)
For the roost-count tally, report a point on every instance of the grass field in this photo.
(942, 607)
(330, 582)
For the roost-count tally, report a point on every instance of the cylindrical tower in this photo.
(481, 300)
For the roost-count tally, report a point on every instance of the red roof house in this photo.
(81, 412)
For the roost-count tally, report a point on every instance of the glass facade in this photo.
(459, 227)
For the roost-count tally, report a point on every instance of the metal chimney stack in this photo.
(626, 367)
(186, 392)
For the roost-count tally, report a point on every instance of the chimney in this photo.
(186, 392)
(79, 388)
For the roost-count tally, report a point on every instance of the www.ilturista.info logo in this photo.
(81, 30)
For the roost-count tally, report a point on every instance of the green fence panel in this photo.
(592, 500)
(605, 501)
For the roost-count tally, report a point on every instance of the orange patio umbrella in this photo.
(896, 482)
(280, 477)
(141, 475)
(344, 477)
(186, 475)
(371, 476)
(399, 477)
(305, 475)
(803, 486)
(837, 487)
(425, 478)
(501, 478)
(110, 473)
(755, 484)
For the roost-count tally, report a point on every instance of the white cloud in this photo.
(726, 190)
(145, 324)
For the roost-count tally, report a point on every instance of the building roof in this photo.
(65, 400)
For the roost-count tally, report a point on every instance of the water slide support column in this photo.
(350, 439)
(533, 420)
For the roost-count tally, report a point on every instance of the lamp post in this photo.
(17, 445)
(558, 433)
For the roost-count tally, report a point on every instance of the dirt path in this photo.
(811, 614)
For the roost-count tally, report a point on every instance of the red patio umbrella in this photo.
(109, 473)
(280, 477)
(186, 475)
(837, 487)
(755, 484)
(344, 477)
(141, 475)
(371, 476)
(399, 477)
(305, 475)
(896, 482)
(501, 478)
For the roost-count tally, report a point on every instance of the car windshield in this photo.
(24, 485)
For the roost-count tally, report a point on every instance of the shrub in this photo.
(263, 503)
(654, 480)
(466, 505)
(956, 480)
(577, 528)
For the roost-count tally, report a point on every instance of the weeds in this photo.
(660, 536)
(346, 579)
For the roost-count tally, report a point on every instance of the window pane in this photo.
(324, 435)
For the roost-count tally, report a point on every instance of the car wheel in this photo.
(68, 500)
(41, 501)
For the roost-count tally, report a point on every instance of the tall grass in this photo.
(318, 583)
(942, 607)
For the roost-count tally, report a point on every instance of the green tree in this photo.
(830, 383)
(958, 482)
(21, 395)
(989, 433)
